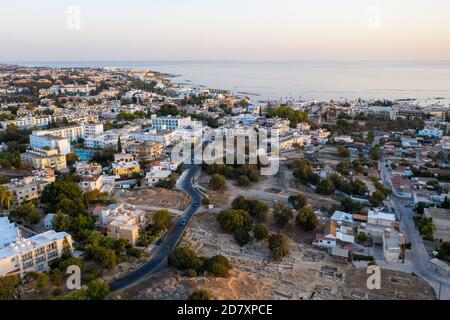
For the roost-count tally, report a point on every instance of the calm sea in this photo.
(322, 80)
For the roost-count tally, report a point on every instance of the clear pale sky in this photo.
(33, 30)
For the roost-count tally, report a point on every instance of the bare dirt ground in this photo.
(306, 273)
(156, 197)
(395, 285)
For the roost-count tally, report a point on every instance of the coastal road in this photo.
(158, 261)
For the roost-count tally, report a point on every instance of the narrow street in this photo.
(418, 255)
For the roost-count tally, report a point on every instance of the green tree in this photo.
(359, 188)
(325, 187)
(168, 110)
(107, 257)
(162, 220)
(420, 208)
(427, 229)
(294, 116)
(97, 290)
(303, 172)
(218, 182)
(377, 198)
(244, 181)
(134, 252)
(343, 168)
(6, 198)
(260, 231)
(9, 287)
(200, 294)
(347, 205)
(56, 277)
(343, 152)
(119, 145)
(279, 246)
(241, 236)
(28, 212)
(282, 215)
(298, 201)
(218, 266)
(231, 220)
(444, 251)
(371, 137)
(184, 258)
(255, 208)
(307, 219)
(375, 153)
(361, 237)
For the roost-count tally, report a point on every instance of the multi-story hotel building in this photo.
(32, 254)
(43, 159)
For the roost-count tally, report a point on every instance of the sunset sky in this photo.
(47, 30)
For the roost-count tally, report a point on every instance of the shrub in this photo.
(279, 246)
(184, 258)
(97, 290)
(361, 237)
(134, 252)
(200, 294)
(307, 219)
(244, 181)
(190, 273)
(260, 231)
(218, 182)
(241, 236)
(282, 215)
(218, 266)
(298, 201)
(230, 220)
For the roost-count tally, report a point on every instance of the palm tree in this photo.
(6, 198)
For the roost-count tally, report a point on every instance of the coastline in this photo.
(300, 81)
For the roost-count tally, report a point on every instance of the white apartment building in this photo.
(32, 254)
(159, 171)
(27, 122)
(166, 138)
(108, 139)
(51, 142)
(43, 159)
(78, 88)
(73, 133)
(92, 129)
(76, 117)
(343, 139)
(170, 123)
(9, 233)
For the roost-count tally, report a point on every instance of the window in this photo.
(40, 267)
(40, 251)
(27, 256)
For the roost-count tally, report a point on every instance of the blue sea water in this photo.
(321, 80)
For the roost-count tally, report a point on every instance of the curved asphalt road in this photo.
(158, 261)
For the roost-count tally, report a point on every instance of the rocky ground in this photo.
(157, 197)
(306, 274)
